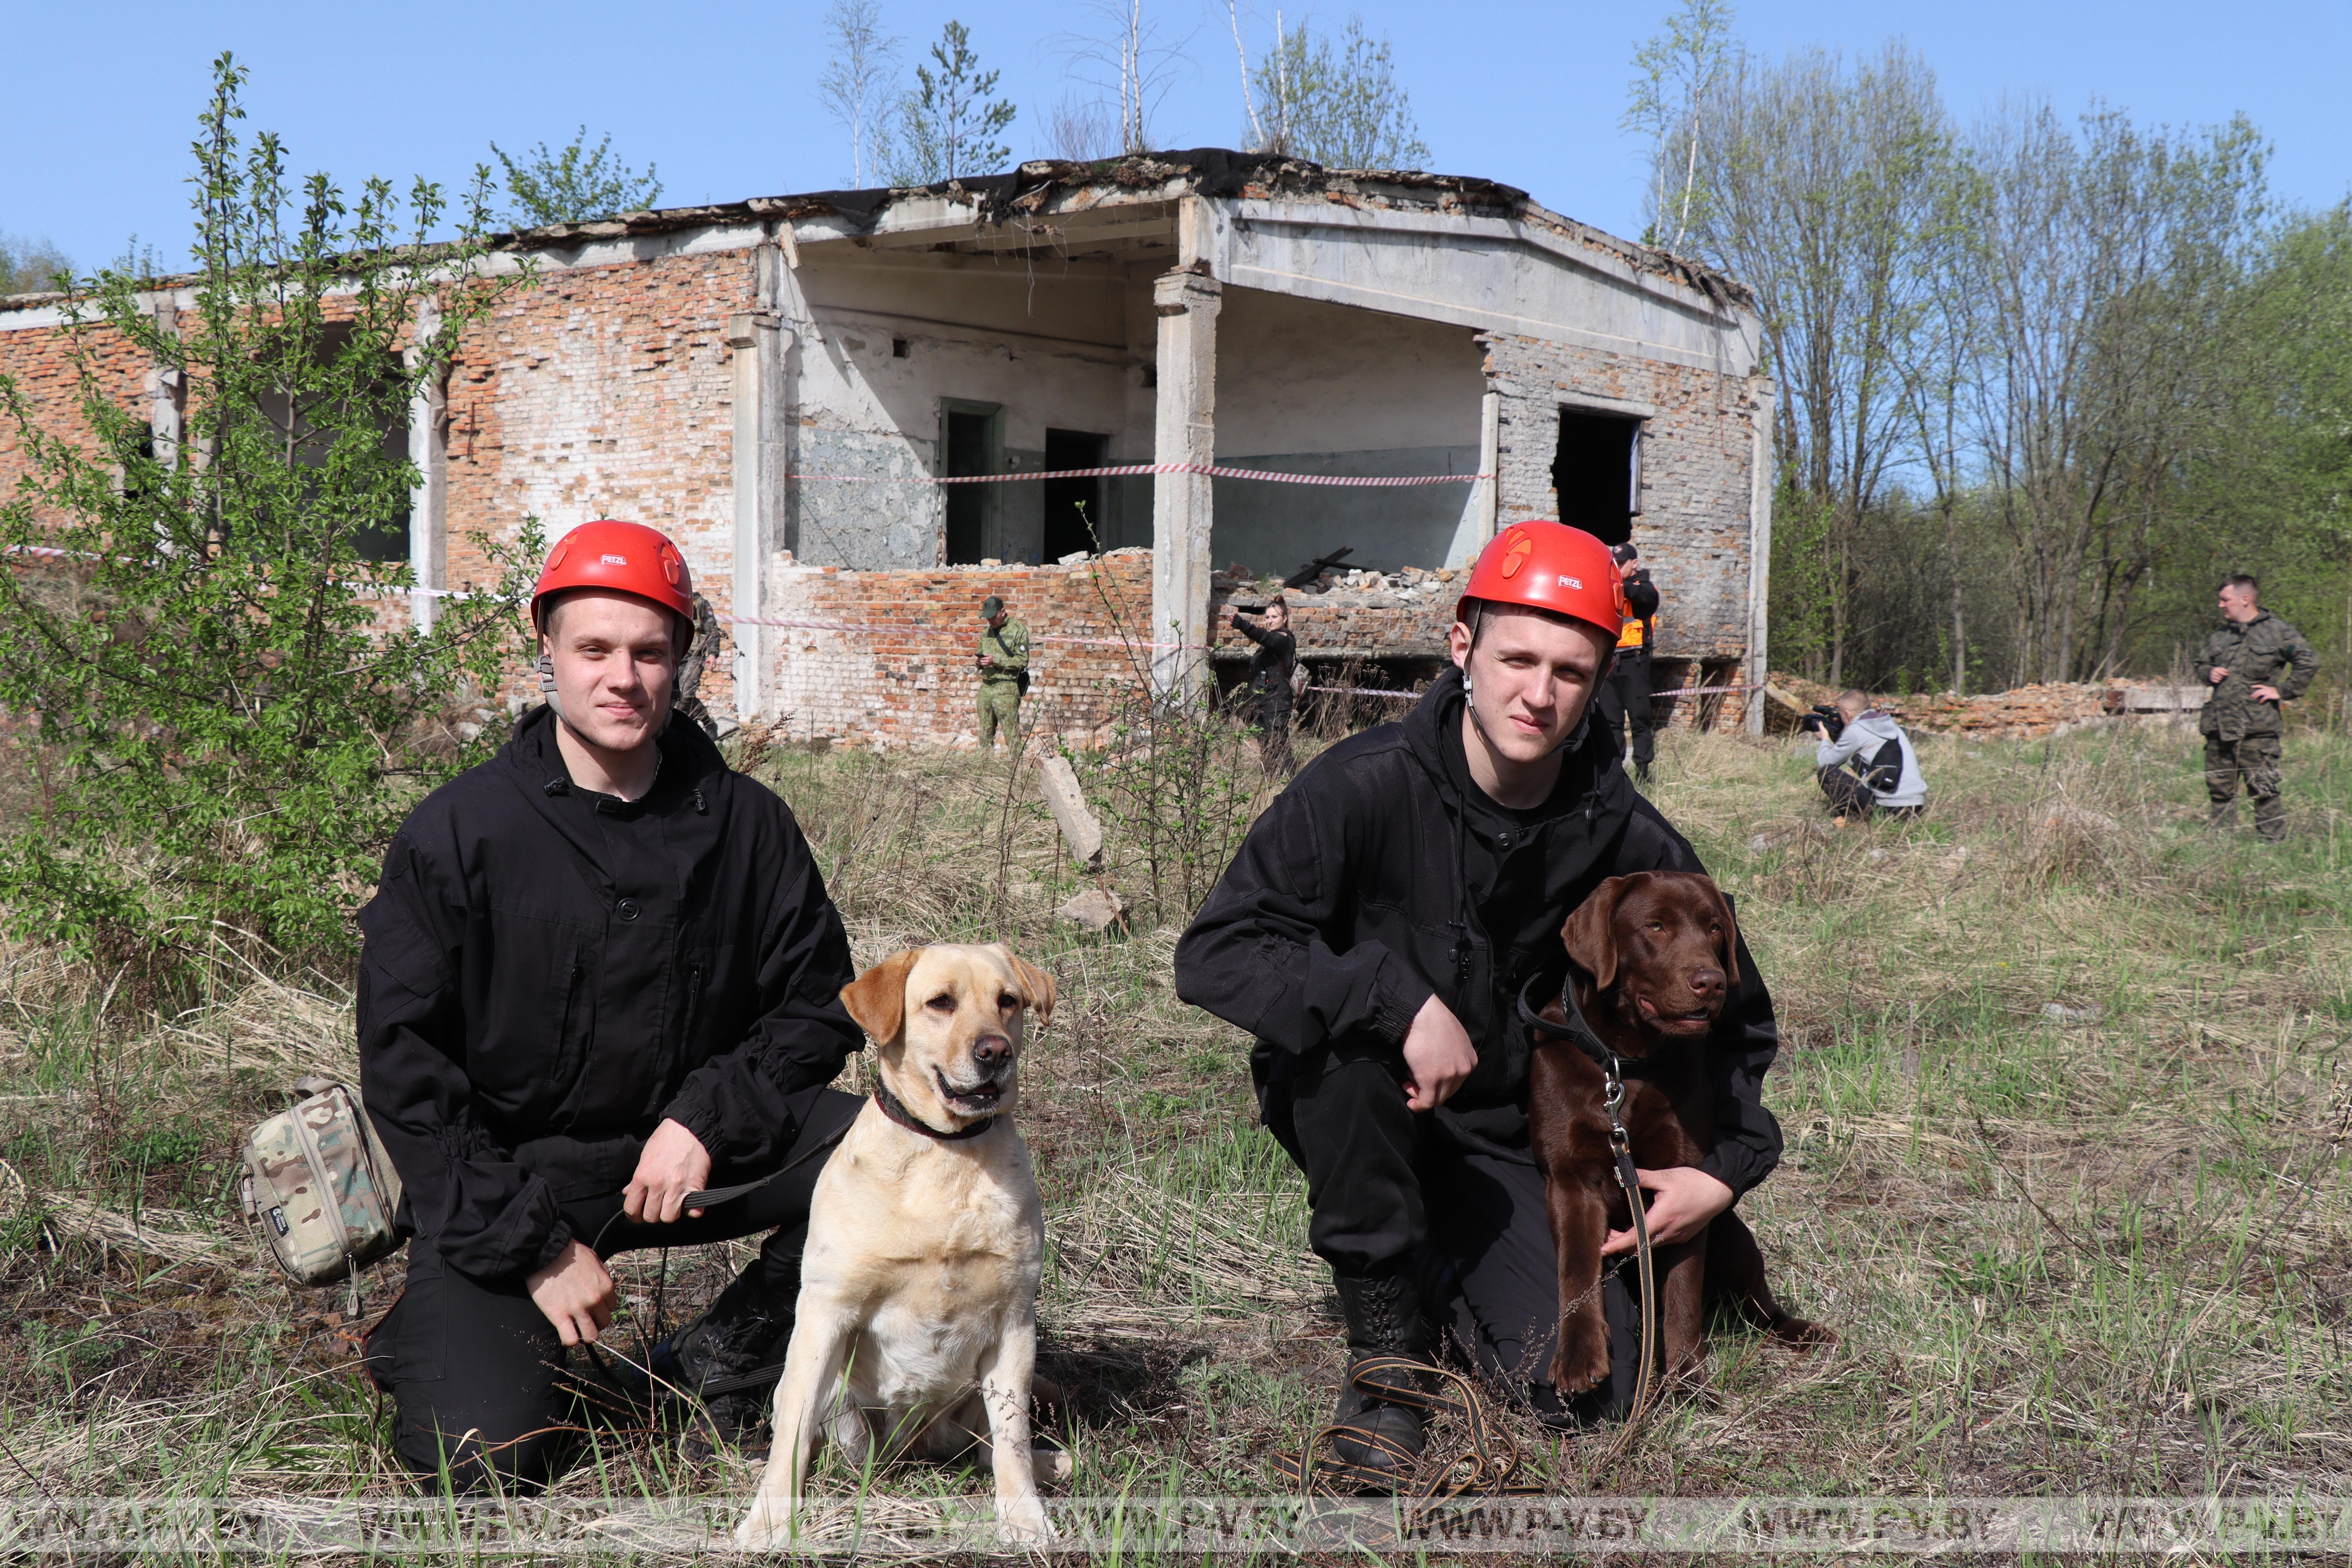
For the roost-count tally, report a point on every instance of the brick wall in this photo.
(912, 681)
(603, 392)
(40, 361)
(1696, 446)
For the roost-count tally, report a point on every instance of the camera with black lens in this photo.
(1824, 719)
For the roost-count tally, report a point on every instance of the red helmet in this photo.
(621, 558)
(1548, 566)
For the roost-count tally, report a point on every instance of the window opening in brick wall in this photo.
(971, 442)
(1596, 473)
(898, 348)
(387, 541)
(1073, 508)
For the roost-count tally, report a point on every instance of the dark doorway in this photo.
(970, 451)
(1597, 471)
(1074, 519)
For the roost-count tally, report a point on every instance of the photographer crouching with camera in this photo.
(1885, 775)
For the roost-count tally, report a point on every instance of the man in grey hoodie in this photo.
(1879, 782)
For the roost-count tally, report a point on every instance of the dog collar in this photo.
(898, 1113)
(1579, 1033)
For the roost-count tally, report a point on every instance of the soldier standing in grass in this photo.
(2255, 662)
(1003, 662)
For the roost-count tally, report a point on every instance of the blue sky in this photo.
(720, 94)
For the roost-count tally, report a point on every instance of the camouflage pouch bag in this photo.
(321, 1187)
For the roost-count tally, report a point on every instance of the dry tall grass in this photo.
(2065, 1083)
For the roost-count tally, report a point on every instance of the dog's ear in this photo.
(877, 998)
(1037, 986)
(1590, 933)
(1730, 936)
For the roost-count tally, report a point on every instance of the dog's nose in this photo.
(991, 1051)
(1706, 981)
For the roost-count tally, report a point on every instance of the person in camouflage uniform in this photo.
(706, 635)
(2255, 662)
(1004, 661)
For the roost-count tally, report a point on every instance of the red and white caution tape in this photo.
(1127, 469)
(1364, 691)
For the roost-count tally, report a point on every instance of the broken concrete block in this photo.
(1094, 908)
(1074, 558)
(1058, 782)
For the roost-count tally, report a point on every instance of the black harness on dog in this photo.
(896, 1110)
(1579, 1033)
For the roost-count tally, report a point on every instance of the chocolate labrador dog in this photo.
(1651, 956)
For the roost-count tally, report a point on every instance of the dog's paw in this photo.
(1050, 1462)
(1022, 1521)
(768, 1525)
(1580, 1367)
(1804, 1336)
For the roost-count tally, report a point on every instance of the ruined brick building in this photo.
(777, 382)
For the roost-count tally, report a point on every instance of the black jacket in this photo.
(1382, 876)
(1270, 664)
(1641, 594)
(546, 973)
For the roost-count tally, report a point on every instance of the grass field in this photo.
(2065, 1077)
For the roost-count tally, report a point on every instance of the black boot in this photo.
(1380, 1437)
(744, 1332)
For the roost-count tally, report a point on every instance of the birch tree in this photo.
(860, 85)
(1821, 191)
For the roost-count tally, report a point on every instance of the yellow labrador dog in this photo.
(918, 1321)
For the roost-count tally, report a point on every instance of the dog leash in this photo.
(1486, 1465)
(1576, 1032)
(1620, 1143)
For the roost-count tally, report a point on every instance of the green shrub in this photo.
(229, 724)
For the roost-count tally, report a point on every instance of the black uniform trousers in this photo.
(479, 1379)
(1624, 698)
(1391, 1189)
(1274, 732)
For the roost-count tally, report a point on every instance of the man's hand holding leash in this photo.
(1687, 1200)
(576, 1293)
(674, 1164)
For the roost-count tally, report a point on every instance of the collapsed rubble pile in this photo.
(1337, 587)
(2024, 712)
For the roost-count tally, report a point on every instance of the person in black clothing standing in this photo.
(1380, 934)
(1269, 683)
(601, 971)
(1623, 700)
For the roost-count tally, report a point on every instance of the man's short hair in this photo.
(2242, 580)
(1854, 695)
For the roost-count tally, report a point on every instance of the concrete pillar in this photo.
(753, 335)
(1759, 551)
(1184, 430)
(428, 448)
(1477, 524)
(164, 407)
